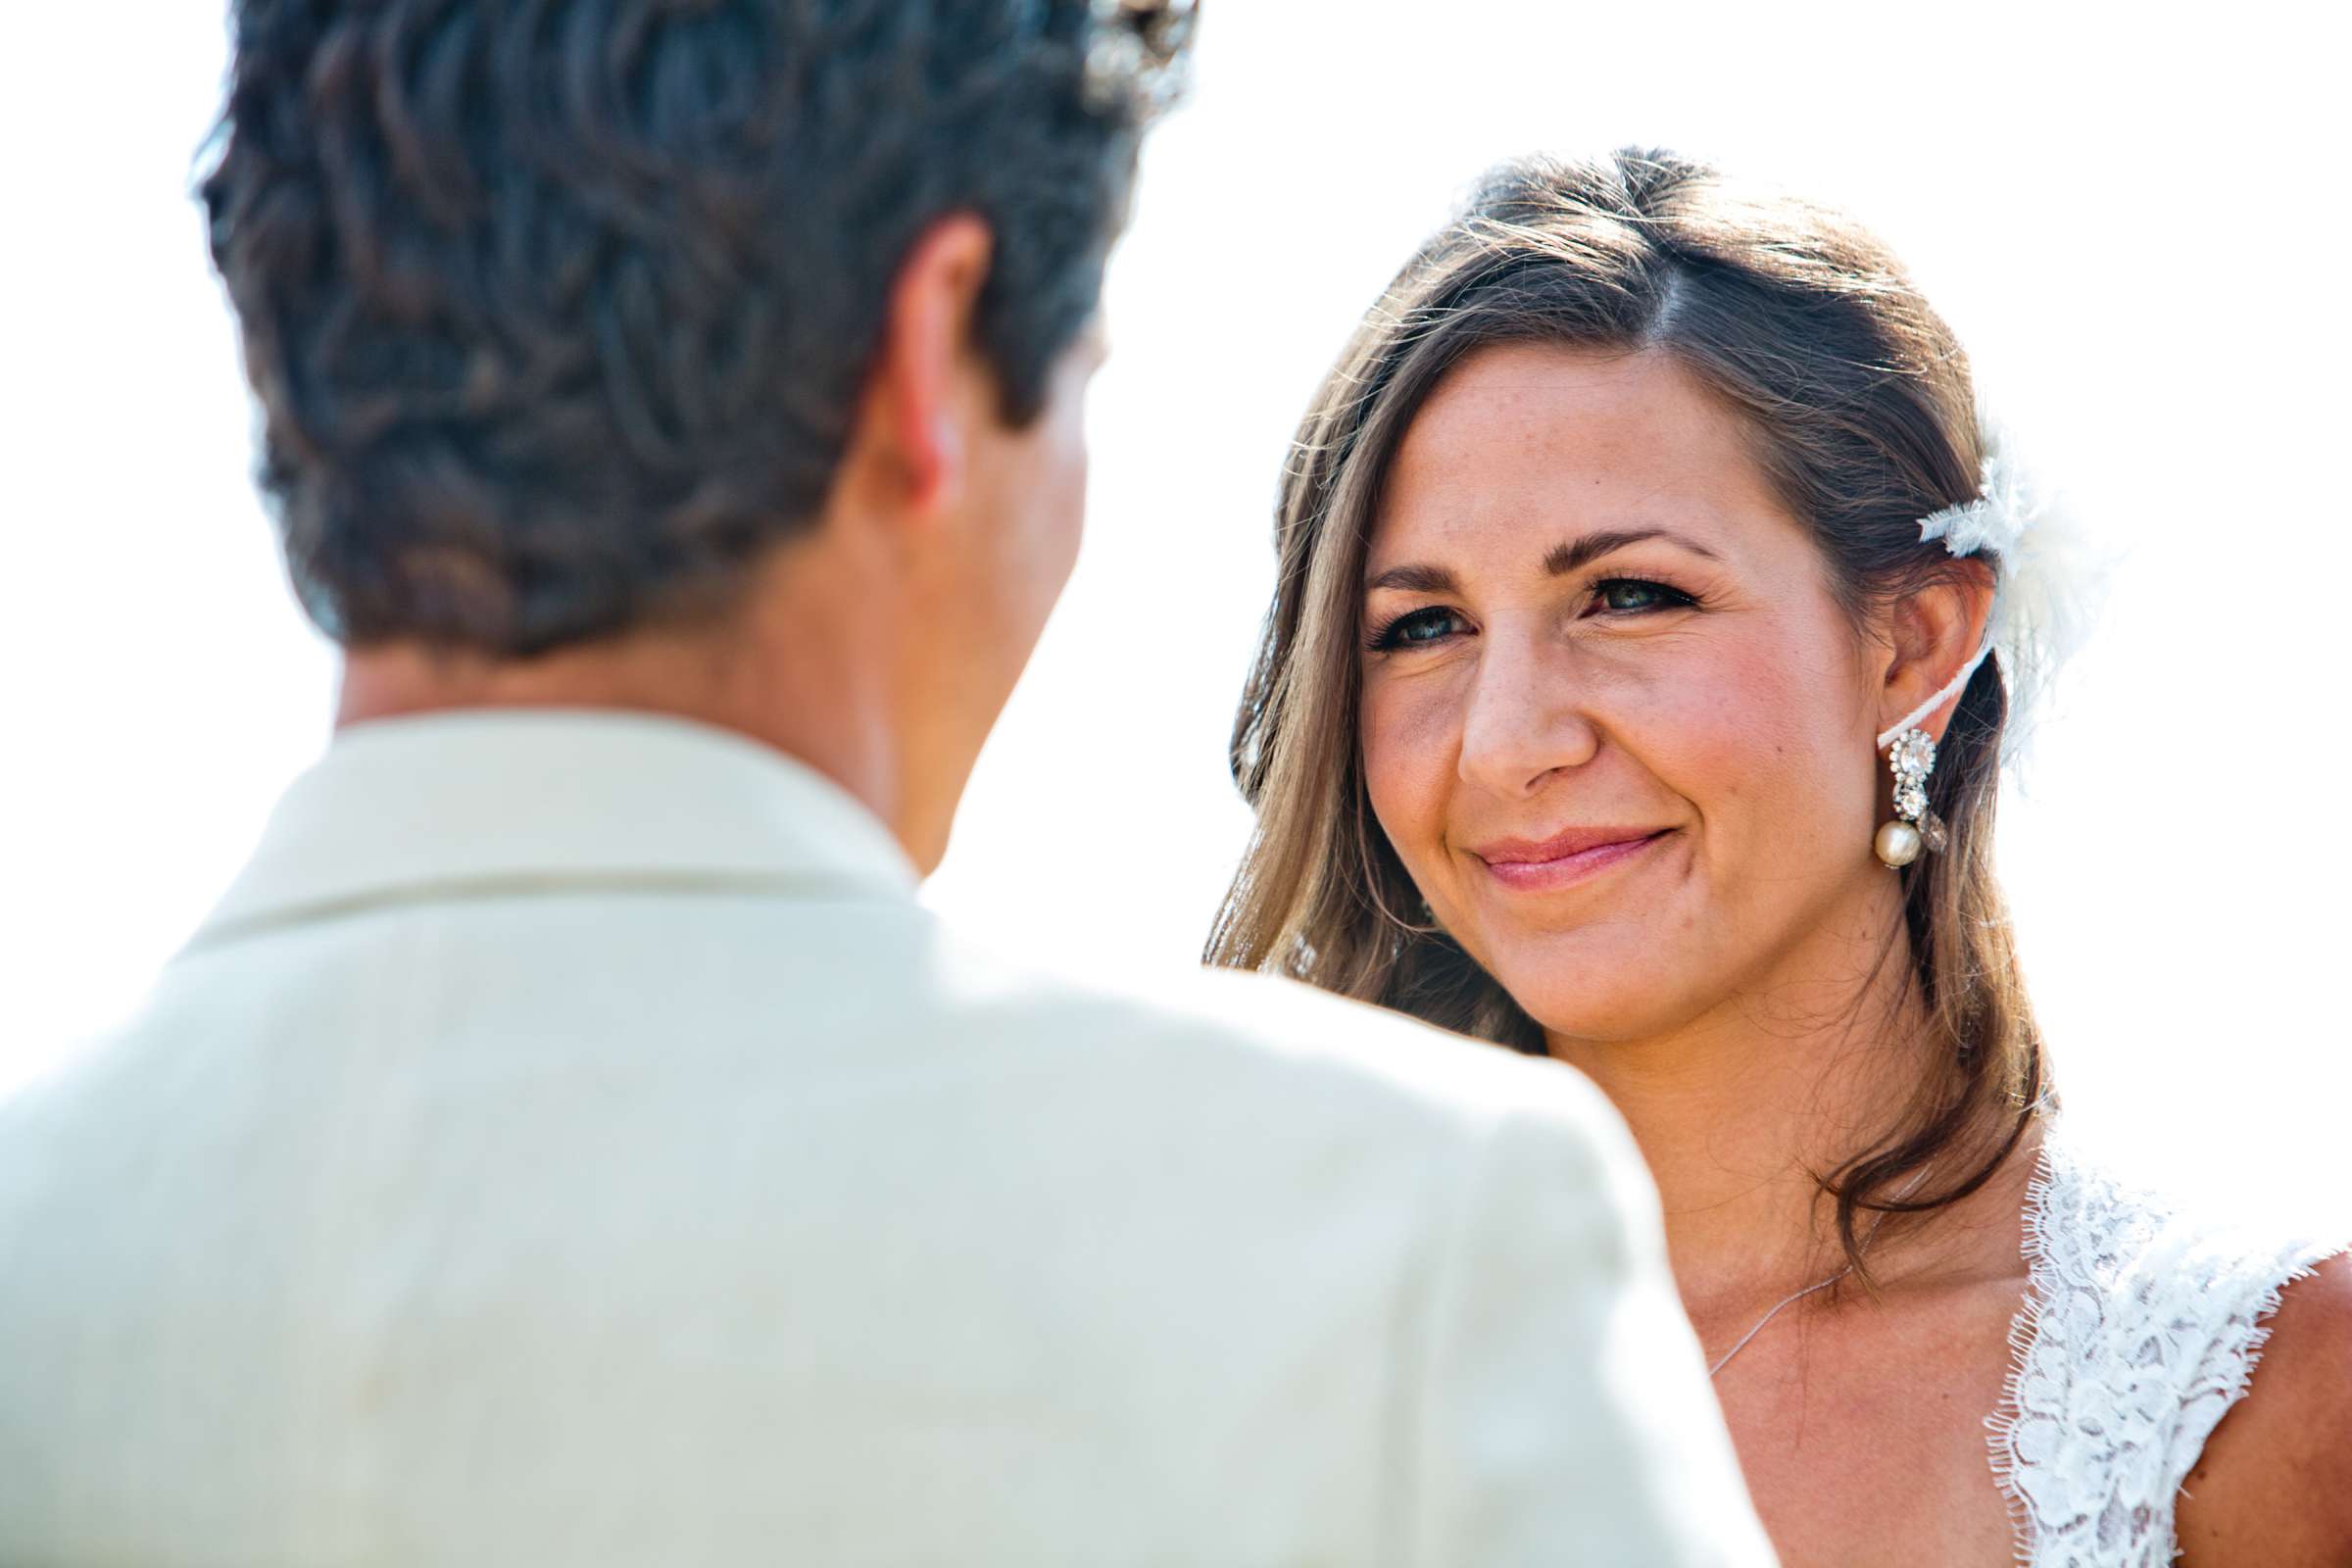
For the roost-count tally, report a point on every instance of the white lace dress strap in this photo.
(2141, 1326)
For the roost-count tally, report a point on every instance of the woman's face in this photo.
(1614, 723)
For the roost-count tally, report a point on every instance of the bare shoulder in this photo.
(2275, 1484)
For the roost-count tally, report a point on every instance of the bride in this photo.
(1626, 697)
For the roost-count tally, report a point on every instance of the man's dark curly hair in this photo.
(558, 310)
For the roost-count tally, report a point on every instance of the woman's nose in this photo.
(1524, 721)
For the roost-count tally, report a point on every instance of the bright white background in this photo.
(2134, 223)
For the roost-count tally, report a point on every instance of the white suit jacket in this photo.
(569, 1143)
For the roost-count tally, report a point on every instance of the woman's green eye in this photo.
(1631, 595)
(1417, 628)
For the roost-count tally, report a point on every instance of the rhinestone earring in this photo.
(1916, 827)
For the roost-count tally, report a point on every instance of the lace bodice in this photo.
(2140, 1327)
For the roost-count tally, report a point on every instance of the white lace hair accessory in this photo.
(2044, 585)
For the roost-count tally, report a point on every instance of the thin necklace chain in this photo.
(1786, 1301)
(1819, 1284)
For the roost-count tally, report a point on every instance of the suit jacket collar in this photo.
(457, 804)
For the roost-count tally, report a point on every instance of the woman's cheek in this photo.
(1409, 766)
(1752, 771)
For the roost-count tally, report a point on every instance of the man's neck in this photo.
(822, 710)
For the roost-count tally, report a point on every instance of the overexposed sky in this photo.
(2133, 223)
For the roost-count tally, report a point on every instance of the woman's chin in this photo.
(1594, 998)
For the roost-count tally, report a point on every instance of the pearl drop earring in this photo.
(1916, 827)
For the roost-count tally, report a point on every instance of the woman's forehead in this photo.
(1538, 440)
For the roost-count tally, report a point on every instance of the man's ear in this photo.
(1932, 633)
(916, 406)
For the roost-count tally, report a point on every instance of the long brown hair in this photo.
(1858, 404)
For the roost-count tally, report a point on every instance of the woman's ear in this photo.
(1932, 632)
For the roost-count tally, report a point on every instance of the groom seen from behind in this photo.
(568, 1141)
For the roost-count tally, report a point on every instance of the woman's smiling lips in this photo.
(1533, 865)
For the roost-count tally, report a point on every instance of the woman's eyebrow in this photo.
(1414, 579)
(1417, 578)
(1567, 557)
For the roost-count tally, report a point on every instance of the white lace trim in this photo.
(2140, 1328)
